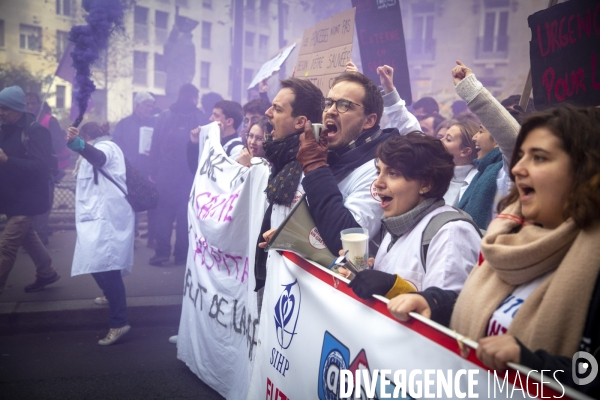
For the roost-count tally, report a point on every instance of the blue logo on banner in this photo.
(287, 311)
(334, 358)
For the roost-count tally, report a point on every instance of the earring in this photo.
(421, 192)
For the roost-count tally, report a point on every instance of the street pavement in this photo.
(154, 294)
(48, 339)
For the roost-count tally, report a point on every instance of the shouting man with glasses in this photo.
(338, 170)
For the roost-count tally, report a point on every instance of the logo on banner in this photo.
(335, 357)
(287, 311)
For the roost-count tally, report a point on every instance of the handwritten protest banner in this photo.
(381, 40)
(271, 66)
(315, 334)
(565, 54)
(325, 49)
(219, 318)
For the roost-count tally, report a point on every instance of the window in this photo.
(264, 12)
(423, 44)
(62, 41)
(493, 43)
(140, 72)
(161, 20)
(204, 74)
(263, 46)
(140, 19)
(160, 74)
(1, 33)
(206, 28)
(249, 42)
(250, 12)
(64, 7)
(60, 96)
(30, 37)
(207, 4)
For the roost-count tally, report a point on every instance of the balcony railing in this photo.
(160, 35)
(140, 32)
(492, 47)
(140, 76)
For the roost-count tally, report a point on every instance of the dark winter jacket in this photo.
(127, 136)
(25, 177)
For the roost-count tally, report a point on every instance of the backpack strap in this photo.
(107, 176)
(436, 223)
(229, 146)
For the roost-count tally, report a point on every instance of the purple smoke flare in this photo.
(104, 17)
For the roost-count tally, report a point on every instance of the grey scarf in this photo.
(400, 224)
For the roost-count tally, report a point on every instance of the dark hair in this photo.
(372, 101)
(308, 98)
(511, 103)
(262, 124)
(579, 132)
(256, 106)
(459, 107)
(231, 109)
(437, 119)
(209, 100)
(93, 130)
(187, 93)
(417, 156)
(428, 104)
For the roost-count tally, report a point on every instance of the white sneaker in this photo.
(114, 334)
(101, 301)
(173, 339)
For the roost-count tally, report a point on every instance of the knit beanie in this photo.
(13, 97)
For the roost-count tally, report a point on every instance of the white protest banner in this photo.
(219, 319)
(315, 331)
(326, 48)
(271, 66)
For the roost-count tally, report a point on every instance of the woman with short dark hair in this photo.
(414, 174)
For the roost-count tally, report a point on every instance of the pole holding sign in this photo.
(325, 49)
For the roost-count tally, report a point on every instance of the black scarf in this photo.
(286, 170)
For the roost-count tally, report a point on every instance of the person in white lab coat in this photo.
(104, 221)
(414, 172)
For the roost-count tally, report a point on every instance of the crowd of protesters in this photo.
(527, 182)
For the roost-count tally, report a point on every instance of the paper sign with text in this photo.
(325, 49)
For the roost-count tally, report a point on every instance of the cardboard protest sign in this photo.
(326, 48)
(381, 40)
(565, 54)
(271, 66)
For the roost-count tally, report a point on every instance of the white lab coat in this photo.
(104, 218)
(452, 254)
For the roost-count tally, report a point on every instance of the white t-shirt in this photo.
(503, 316)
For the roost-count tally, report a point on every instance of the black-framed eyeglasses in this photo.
(341, 105)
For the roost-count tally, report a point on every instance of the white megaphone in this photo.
(298, 233)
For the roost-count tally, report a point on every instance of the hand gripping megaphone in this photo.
(298, 233)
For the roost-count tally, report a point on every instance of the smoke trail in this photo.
(104, 17)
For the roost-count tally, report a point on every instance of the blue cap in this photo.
(13, 97)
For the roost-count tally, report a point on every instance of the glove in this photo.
(369, 282)
(312, 155)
